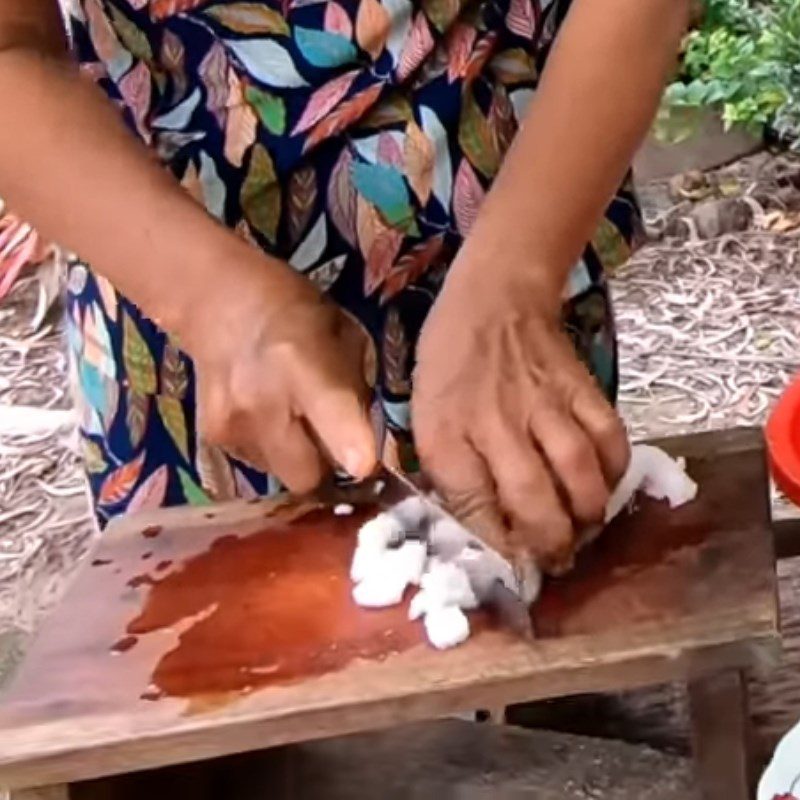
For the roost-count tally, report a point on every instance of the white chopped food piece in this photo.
(375, 592)
(382, 587)
(404, 564)
(380, 531)
(454, 579)
(343, 510)
(384, 574)
(446, 627)
(447, 584)
(462, 570)
(365, 560)
(666, 479)
(419, 605)
(413, 556)
(655, 473)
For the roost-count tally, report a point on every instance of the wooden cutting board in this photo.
(195, 632)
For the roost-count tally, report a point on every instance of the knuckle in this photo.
(241, 384)
(559, 531)
(521, 489)
(247, 399)
(472, 503)
(576, 456)
(486, 433)
(284, 352)
(610, 427)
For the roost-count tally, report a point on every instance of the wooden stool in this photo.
(451, 759)
(686, 595)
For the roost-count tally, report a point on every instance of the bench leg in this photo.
(721, 735)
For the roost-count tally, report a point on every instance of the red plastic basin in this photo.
(783, 442)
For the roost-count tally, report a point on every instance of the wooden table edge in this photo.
(195, 742)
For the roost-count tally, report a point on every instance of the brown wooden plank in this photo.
(661, 595)
(721, 736)
(57, 792)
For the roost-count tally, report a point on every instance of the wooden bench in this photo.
(686, 595)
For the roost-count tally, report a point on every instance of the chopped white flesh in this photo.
(420, 605)
(376, 591)
(413, 557)
(447, 584)
(462, 571)
(446, 627)
(366, 560)
(382, 575)
(655, 473)
(385, 583)
(379, 532)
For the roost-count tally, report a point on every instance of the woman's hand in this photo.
(510, 426)
(283, 381)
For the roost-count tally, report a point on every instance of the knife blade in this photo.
(387, 488)
(511, 610)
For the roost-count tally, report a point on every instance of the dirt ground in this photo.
(709, 337)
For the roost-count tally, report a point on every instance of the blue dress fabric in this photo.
(356, 140)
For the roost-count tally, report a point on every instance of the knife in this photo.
(387, 488)
(511, 611)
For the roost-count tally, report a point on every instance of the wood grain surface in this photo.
(193, 633)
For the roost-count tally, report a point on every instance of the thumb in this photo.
(342, 425)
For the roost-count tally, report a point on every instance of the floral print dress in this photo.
(356, 139)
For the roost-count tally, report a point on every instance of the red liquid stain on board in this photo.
(636, 571)
(269, 608)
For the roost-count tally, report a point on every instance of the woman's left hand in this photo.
(510, 426)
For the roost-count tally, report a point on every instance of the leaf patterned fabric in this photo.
(356, 139)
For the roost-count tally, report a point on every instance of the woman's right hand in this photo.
(283, 378)
(280, 371)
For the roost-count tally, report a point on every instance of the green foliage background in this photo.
(744, 59)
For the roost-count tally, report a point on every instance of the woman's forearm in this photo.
(596, 101)
(69, 166)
